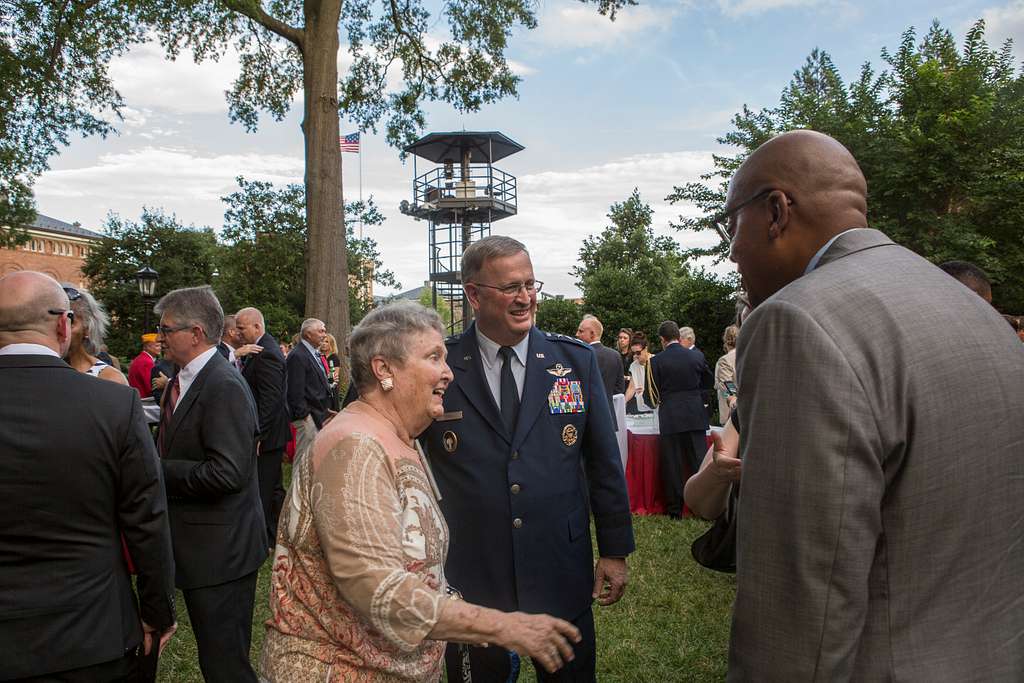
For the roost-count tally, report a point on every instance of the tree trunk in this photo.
(326, 259)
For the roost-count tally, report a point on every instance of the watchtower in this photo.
(460, 198)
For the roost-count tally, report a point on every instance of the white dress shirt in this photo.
(28, 350)
(188, 373)
(491, 362)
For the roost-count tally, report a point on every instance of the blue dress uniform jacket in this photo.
(517, 504)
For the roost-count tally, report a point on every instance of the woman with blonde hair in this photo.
(725, 372)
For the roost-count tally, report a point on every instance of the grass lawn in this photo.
(671, 626)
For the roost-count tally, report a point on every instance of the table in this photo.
(643, 473)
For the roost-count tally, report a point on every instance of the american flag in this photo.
(349, 143)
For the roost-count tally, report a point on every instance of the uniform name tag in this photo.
(566, 397)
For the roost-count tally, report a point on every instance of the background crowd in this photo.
(442, 517)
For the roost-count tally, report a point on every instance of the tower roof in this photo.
(486, 146)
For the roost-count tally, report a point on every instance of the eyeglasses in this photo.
(73, 294)
(164, 330)
(515, 287)
(62, 311)
(723, 221)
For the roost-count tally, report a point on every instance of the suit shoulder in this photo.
(454, 339)
(565, 339)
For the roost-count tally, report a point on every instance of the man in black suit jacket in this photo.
(264, 371)
(609, 362)
(680, 377)
(309, 393)
(77, 466)
(207, 441)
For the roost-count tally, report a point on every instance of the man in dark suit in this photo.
(609, 362)
(77, 466)
(309, 391)
(680, 376)
(524, 442)
(207, 441)
(264, 371)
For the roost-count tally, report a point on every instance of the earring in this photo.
(387, 384)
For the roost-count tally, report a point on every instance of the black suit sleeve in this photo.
(297, 407)
(142, 514)
(270, 373)
(620, 381)
(228, 436)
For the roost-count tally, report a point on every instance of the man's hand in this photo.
(148, 635)
(247, 349)
(610, 577)
(160, 381)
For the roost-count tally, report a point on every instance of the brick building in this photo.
(54, 247)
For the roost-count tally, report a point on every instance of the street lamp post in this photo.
(146, 279)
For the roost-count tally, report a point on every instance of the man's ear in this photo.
(779, 204)
(472, 294)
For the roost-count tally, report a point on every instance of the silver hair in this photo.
(309, 323)
(250, 311)
(385, 332)
(482, 251)
(194, 306)
(94, 319)
(597, 324)
(687, 333)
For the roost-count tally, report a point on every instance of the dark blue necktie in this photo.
(509, 392)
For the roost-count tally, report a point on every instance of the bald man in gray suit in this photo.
(882, 507)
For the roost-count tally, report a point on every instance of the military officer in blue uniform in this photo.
(523, 454)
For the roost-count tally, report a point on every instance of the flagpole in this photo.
(361, 186)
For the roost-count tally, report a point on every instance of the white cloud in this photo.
(147, 79)
(520, 69)
(573, 25)
(1005, 22)
(736, 8)
(175, 179)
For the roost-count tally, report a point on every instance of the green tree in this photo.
(559, 315)
(706, 303)
(183, 256)
(262, 261)
(285, 47)
(627, 272)
(53, 70)
(443, 308)
(939, 134)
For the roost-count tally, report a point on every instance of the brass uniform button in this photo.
(515, 488)
(517, 523)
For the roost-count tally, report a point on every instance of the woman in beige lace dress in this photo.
(358, 590)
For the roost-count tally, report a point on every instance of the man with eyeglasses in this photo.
(207, 445)
(525, 442)
(78, 472)
(880, 519)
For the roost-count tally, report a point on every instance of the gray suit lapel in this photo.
(852, 242)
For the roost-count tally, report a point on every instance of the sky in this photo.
(603, 108)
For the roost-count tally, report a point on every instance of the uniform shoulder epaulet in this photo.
(453, 339)
(554, 336)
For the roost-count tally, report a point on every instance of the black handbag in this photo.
(716, 547)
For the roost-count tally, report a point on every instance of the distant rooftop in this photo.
(53, 225)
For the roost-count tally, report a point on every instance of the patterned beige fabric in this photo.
(358, 570)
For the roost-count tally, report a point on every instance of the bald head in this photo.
(791, 196)
(26, 299)
(250, 325)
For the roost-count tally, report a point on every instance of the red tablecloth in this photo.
(643, 475)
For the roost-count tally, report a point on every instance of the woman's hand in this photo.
(725, 466)
(545, 639)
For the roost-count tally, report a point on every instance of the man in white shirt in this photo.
(207, 445)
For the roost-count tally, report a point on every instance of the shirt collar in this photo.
(489, 349)
(28, 350)
(813, 263)
(314, 351)
(195, 366)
